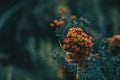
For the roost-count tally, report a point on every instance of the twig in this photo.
(61, 46)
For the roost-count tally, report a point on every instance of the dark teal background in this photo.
(26, 39)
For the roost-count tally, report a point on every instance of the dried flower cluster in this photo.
(57, 23)
(78, 45)
(115, 43)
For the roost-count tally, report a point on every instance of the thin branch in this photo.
(61, 46)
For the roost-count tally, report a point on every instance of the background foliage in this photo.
(27, 41)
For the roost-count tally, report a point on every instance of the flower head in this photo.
(78, 43)
(115, 43)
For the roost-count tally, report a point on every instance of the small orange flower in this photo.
(96, 55)
(77, 77)
(55, 21)
(58, 23)
(61, 10)
(52, 25)
(115, 44)
(68, 55)
(61, 23)
(64, 46)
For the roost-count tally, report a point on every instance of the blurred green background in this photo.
(26, 39)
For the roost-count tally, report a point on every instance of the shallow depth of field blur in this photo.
(27, 40)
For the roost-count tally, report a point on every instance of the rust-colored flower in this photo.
(57, 23)
(115, 40)
(115, 44)
(61, 22)
(77, 77)
(61, 10)
(68, 55)
(79, 44)
(52, 25)
(96, 55)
